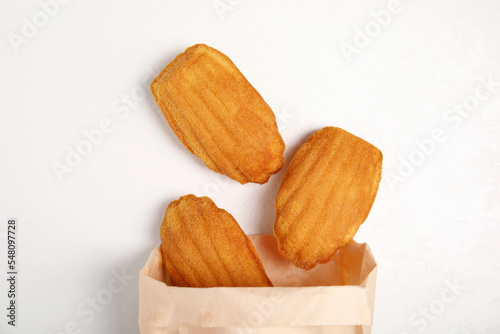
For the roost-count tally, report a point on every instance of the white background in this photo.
(436, 225)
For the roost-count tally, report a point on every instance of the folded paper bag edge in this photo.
(271, 330)
(163, 306)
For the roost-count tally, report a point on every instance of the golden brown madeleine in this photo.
(219, 116)
(203, 246)
(327, 193)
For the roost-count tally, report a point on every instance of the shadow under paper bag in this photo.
(336, 297)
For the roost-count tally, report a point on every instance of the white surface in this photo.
(437, 226)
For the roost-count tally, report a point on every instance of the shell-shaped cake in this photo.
(203, 246)
(326, 194)
(219, 116)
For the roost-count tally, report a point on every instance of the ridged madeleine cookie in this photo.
(219, 116)
(203, 246)
(326, 194)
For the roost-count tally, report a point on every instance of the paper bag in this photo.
(336, 297)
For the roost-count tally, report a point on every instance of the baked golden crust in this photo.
(203, 246)
(219, 116)
(326, 194)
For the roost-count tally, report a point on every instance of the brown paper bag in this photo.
(336, 297)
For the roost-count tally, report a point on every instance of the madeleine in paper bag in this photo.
(203, 246)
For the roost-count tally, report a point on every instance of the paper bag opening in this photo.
(335, 297)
